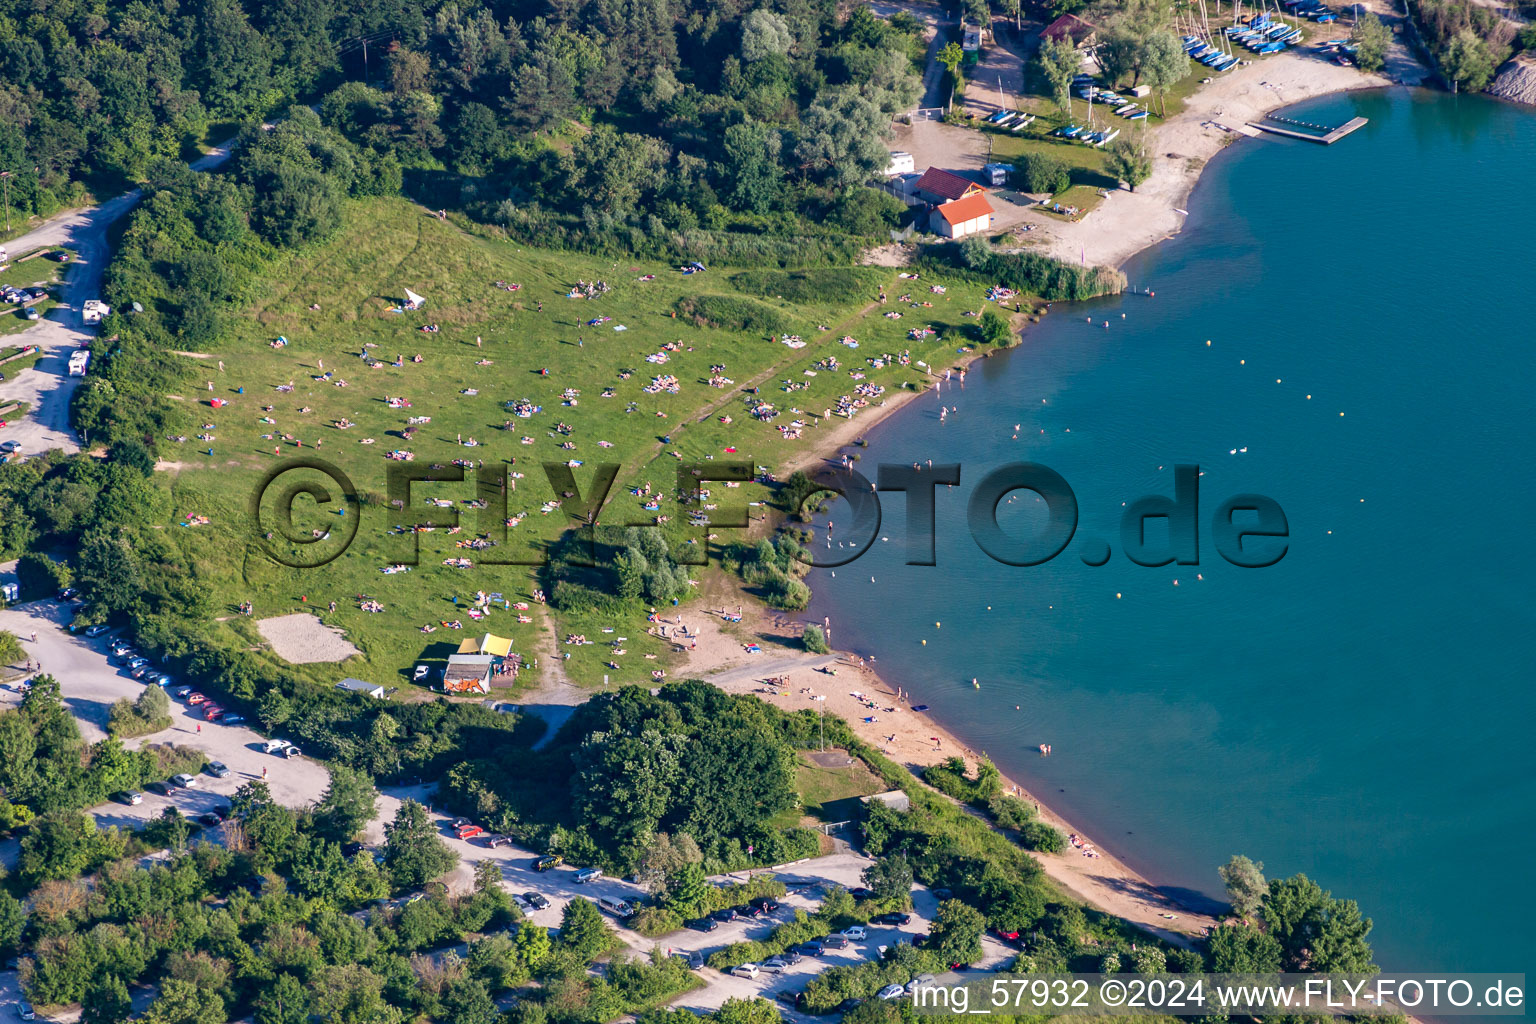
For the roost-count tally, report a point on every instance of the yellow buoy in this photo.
(925, 643)
(938, 625)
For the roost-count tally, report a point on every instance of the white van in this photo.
(615, 906)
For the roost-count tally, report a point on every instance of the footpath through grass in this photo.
(589, 391)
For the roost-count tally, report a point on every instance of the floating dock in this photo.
(1311, 132)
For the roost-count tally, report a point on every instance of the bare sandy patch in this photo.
(302, 639)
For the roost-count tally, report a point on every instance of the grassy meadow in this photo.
(355, 279)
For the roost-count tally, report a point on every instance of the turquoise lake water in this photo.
(1361, 711)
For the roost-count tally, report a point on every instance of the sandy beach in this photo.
(1217, 115)
(909, 738)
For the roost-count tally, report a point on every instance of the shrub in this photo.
(1037, 835)
(41, 576)
(1028, 272)
(732, 313)
(1040, 172)
(832, 285)
(149, 713)
(815, 640)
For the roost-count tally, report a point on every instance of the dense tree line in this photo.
(645, 123)
(692, 763)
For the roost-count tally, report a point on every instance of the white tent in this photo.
(414, 301)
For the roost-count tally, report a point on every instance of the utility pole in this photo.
(6, 177)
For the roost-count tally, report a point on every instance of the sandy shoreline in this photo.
(909, 738)
(1214, 117)
(1126, 224)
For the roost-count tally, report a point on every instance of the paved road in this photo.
(48, 387)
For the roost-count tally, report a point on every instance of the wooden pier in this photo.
(1276, 126)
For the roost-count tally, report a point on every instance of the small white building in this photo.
(351, 685)
(901, 163)
(962, 217)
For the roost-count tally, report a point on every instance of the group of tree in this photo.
(1288, 924)
(277, 924)
(1468, 40)
(706, 768)
(46, 767)
(1026, 272)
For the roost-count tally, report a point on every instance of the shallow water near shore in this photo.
(1360, 711)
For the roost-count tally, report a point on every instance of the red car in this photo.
(196, 698)
(212, 711)
(470, 831)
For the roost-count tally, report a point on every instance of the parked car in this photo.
(942, 894)
(136, 661)
(617, 907)
(24, 1010)
(811, 948)
(351, 849)
(185, 691)
(745, 970)
(692, 957)
(921, 981)
(229, 719)
(210, 819)
(68, 594)
(194, 698)
(1006, 936)
(892, 992)
(704, 924)
(586, 875)
(271, 746)
(129, 797)
(790, 957)
(861, 893)
(98, 629)
(773, 965)
(767, 904)
(848, 1004)
(725, 916)
(218, 769)
(211, 710)
(143, 672)
(159, 788)
(835, 942)
(468, 831)
(494, 841)
(291, 751)
(184, 781)
(894, 918)
(789, 998)
(748, 910)
(536, 900)
(548, 861)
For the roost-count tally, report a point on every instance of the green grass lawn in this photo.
(46, 270)
(820, 786)
(355, 279)
(16, 321)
